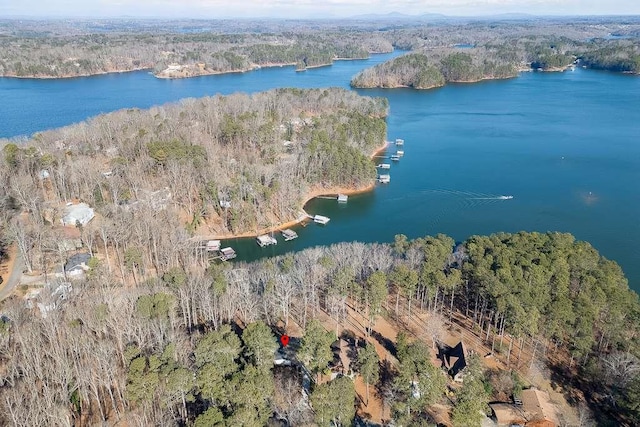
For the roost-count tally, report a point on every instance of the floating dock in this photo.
(289, 234)
(399, 142)
(342, 198)
(227, 254)
(400, 153)
(395, 157)
(320, 219)
(213, 245)
(384, 179)
(266, 240)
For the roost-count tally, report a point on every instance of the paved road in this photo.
(14, 278)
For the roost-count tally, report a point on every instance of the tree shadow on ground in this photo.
(385, 342)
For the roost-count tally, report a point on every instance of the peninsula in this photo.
(217, 166)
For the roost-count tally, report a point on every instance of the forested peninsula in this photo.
(178, 55)
(428, 68)
(175, 49)
(223, 165)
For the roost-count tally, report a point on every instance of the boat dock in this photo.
(227, 254)
(320, 219)
(395, 157)
(384, 179)
(213, 245)
(384, 166)
(399, 142)
(266, 240)
(342, 198)
(289, 234)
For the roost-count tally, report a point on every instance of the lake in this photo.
(564, 145)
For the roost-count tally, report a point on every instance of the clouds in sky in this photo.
(307, 8)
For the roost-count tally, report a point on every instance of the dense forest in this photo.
(426, 71)
(195, 344)
(430, 66)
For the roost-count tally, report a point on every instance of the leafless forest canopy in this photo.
(261, 153)
(72, 48)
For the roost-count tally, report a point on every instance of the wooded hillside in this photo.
(261, 153)
(202, 53)
(53, 49)
(433, 69)
(164, 353)
(499, 58)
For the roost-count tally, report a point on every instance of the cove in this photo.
(565, 145)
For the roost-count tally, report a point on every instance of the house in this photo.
(77, 264)
(507, 414)
(79, 213)
(533, 409)
(454, 359)
(541, 412)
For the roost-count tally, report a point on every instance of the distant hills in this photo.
(398, 15)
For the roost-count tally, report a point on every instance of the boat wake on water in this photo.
(469, 199)
(492, 198)
(441, 204)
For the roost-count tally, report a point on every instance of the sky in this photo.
(211, 9)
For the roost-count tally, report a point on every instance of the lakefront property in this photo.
(175, 257)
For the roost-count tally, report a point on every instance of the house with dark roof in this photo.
(454, 359)
(76, 265)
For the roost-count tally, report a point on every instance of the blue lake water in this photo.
(565, 145)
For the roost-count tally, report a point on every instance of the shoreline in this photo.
(309, 195)
(207, 73)
(75, 76)
(401, 86)
(253, 67)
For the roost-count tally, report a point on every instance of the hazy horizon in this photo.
(305, 9)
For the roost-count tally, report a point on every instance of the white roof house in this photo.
(79, 213)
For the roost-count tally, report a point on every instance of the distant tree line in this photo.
(88, 54)
(67, 49)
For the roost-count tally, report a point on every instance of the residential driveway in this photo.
(14, 278)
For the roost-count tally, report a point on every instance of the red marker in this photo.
(284, 340)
